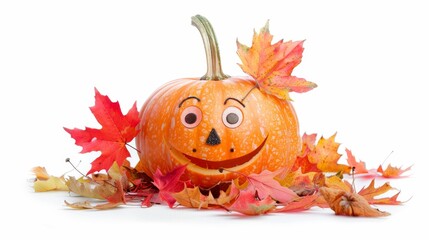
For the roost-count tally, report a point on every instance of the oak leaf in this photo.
(111, 140)
(349, 204)
(392, 172)
(271, 65)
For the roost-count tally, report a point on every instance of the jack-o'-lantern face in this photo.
(215, 122)
(207, 125)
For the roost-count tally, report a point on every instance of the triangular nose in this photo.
(213, 138)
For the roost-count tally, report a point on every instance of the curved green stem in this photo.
(214, 68)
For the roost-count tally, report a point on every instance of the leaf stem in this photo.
(68, 161)
(132, 147)
(247, 94)
(214, 68)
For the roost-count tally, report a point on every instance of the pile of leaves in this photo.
(316, 179)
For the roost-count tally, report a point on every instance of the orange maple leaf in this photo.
(326, 156)
(370, 192)
(271, 65)
(392, 172)
(359, 167)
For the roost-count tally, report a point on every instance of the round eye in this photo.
(232, 117)
(191, 117)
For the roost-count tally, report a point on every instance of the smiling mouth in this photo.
(216, 165)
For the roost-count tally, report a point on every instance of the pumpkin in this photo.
(220, 127)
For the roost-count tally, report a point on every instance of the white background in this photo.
(369, 58)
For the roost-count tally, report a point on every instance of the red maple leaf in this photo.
(248, 203)
(169, 183)
(111, 140)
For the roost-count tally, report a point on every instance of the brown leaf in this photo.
(89, 205)
(90, 189)
(349, 204)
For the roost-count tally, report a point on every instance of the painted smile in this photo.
(215, 165)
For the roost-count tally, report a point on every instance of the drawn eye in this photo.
(191, 117)
(232, 117)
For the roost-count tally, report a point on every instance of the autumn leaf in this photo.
(299, 204)
(302, 162)
(271, 65)
(392, 172)
(111, 140)
(359, 167)
(303, 185)
(338, 183)
(326, 155)
(88, 205)
(247, 203)
(349, 204)
(45, 182)
(105, 187)
(265, 185)
(89, 189)
(370, 192)
(169, 184)
(191, 197)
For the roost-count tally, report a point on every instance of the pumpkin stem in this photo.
(214, 68)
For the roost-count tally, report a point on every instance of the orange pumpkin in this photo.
(216, 122)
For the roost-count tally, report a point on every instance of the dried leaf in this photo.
(299, 204)
(191, 197)
(337, 183)
(45, 182)
(370, 192)
(349, 204)
(359, 167)
(392, 172)
(90, 189)
(88, 205)
(40, 173)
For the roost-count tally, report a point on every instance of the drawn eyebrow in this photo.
(190, 97)
(235, 99)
